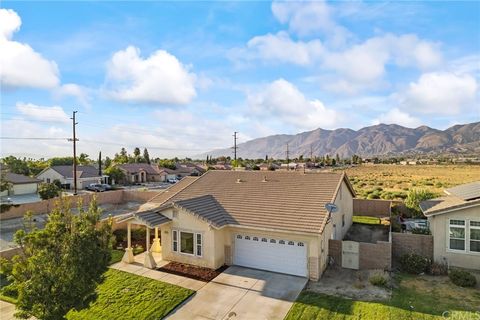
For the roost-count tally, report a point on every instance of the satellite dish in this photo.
(331, 207)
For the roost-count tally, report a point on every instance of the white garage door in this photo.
(271, 254)
(25, 188)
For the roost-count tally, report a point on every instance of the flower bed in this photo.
(191, 271)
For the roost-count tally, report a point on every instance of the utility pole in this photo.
(288, 159)
(235, 138)
(74, 153)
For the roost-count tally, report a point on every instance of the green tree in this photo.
(115, 173)
(107, 163)
(4, 184)
(16, 165)
(136, 155)
(146, 156)
(60, 161)
(60, 265)
(166, 163)
(48, 190)
(414, 197)
(100, 163)
(83, 159)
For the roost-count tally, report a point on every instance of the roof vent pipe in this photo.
(239, 180)
(264, 179)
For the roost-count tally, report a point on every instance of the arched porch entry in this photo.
(151, 220)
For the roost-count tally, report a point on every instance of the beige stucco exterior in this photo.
(49, 175)
(219, 243)
(439, 225)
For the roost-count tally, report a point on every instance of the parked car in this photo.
(97, 187)
(106, 186)
(172, 180)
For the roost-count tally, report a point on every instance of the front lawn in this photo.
(414, 298)
(127, 296)
(117, 254)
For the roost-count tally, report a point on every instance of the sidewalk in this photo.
(138, 269)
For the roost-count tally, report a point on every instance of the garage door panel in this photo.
(277, 257)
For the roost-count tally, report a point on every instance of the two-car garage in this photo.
(272, 254)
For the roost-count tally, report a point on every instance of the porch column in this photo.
(149, 261)
(156, 243)
(128, 256)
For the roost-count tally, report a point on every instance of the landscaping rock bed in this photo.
(191, 271)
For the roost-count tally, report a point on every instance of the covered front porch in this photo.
(152, 221)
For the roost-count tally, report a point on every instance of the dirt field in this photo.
(393, 181)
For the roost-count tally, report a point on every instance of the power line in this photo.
(31, 138)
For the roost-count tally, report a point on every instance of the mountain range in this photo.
(376, 140)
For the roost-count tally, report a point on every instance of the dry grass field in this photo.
(385, 181)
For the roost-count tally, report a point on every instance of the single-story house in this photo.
(141, 172)
(86, 175)
(275, 221)
(454, 221)
(20, 184)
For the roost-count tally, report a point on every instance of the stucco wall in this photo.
(184, 221)
(52, 175)
(439, 228)
(344, 202)
(25, 188)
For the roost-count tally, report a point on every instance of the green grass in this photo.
(6, 295)
(366, 220)
(127, 296)
(117, 254)
(414, 298)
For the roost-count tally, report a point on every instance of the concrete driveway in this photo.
(242, 293)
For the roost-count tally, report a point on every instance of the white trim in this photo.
(467, 240)
(179, 242)
(447, 210)
(174, 241)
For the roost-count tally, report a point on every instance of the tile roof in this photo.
(136, 167)
(468, 191)
(464, 195)
(151, 218)
(290, 201)
(207, 208)
(84, 171)
(15, 178)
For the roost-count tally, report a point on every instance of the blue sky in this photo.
(180, 77)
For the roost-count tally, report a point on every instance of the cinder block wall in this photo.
(403, 243)
(335, 251)
(375, 255)
(372, 208)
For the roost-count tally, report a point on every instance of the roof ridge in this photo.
(171, 196)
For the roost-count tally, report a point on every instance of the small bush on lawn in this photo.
(462, 278)
(413, 263)
(378, 280)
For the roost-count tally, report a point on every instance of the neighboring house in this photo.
(455, 225)
(141, 172)
(20, 185)
(182, 170)
(85, 175)
(274, 221)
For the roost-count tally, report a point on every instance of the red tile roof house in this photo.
(273, 221)
(142, 172)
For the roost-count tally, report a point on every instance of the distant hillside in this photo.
(370, 141)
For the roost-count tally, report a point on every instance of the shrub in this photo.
(378, 280)
(48, 191)
(462, 278)
(414, 197)
(414, 263)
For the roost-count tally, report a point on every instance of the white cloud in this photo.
(306, 18)
(395, 116)
(160, 78)
(279, 47)
(20, 65)
(441, 93)
(50, 114)
(70, 89)
(364, 65)
(283, 101)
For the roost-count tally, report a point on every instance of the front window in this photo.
(475, 236)
(457, 235)
(186, 242)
